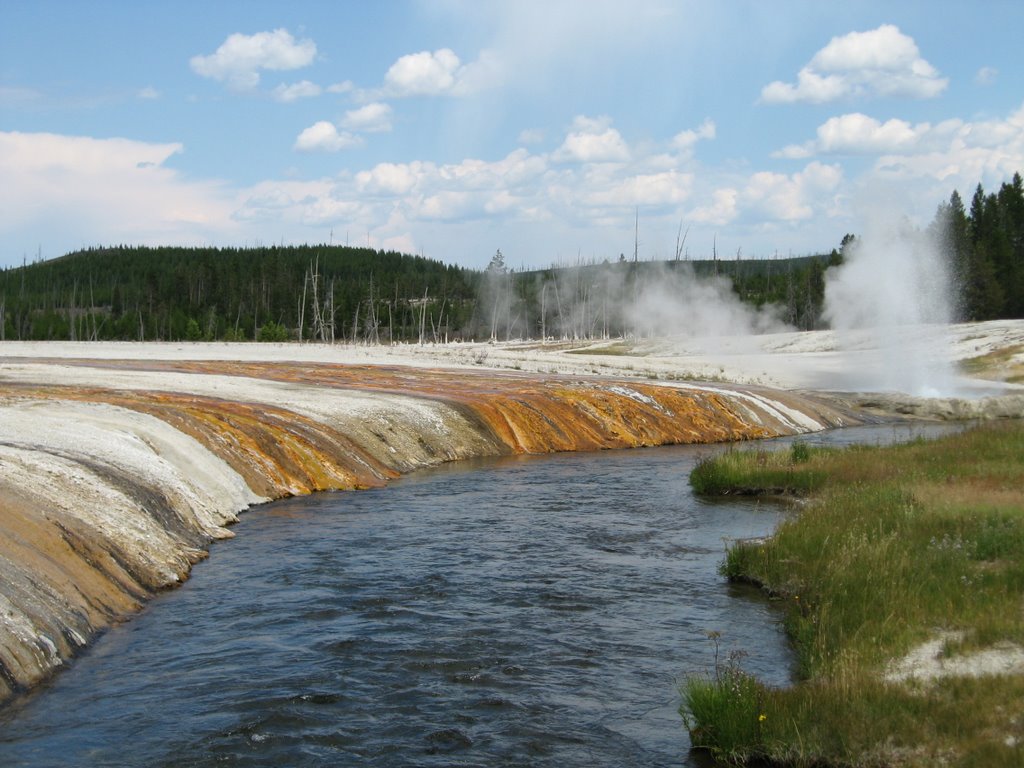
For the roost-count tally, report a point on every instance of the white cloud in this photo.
(372, 118)
(343, 87)
(240, 58)
(593, 141)
(962, 153)
(517, 170)
(513, 171)
(423, 73)
(303, 89)
(149, 92)
(440, 73)
(446, 205)
(487, 72)
(684, 141)
(859, 134)
(89, 190)
(309, 203)
(792, 197)
(651, 190)
(880, 62)
(325, 137)
(329, 210)
(810, 87)
(720, 211)
(392, 178)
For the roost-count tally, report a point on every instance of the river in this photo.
(524, 611)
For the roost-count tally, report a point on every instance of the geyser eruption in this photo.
(890, 302)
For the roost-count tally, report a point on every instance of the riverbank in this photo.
(122, 462)
(902, 581)
(116, 475)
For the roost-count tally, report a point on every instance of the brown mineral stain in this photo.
(71, 579)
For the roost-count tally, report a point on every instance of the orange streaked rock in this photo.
(288, 428)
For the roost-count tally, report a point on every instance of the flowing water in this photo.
(526, 611)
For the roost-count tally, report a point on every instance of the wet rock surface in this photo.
(115, 476)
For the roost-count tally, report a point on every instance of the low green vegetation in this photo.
(777, 472)
(895, 547)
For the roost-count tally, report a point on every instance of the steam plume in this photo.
(893, 294)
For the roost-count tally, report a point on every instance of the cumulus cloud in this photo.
(303, 89)
(792, 197)
(325, 137)
(148, 93)
(951, 149)
(84, 189)
(962, 153)
(684, 141)
(342, 87)
(447, 205)
(880, 62)
(372, 118)
(392, 178)
(586, 190)
(859, 134)
(592, 141)
(651, 190)
(423, 73)
(309, 203)
(239, 59)
(721, 210)
(438, 73)
(512, 173)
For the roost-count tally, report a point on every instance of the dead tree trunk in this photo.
(423, 317)
(302, 304)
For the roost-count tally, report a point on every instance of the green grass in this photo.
(796, 471)
(896, 545)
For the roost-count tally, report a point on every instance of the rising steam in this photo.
(890, 302)
(620, 300)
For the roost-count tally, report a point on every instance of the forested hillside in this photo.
(335, 293)
(327, 293)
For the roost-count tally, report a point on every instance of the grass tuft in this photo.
(896, 546)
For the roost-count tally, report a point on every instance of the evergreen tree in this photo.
(983, 294)
(950, 231)
(1011, 213)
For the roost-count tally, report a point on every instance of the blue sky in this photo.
(455, 128)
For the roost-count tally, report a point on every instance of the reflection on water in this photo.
(530, 611)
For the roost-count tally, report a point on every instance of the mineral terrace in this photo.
(121, 463)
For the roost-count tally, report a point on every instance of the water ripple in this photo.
(526, 612)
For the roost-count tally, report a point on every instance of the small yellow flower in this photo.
(762, 717)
